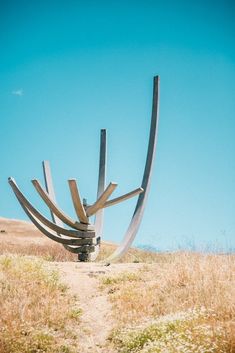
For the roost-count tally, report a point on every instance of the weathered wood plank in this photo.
(123, 197)
(58, 212)
(78, 206)
(44, 220)
(80, 249)
(101, 200)
(52, 236)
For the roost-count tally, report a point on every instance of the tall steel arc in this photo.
(140, 205)
(99, 217)
(82, 237)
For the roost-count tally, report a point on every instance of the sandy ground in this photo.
(16, 231)
(83, 280)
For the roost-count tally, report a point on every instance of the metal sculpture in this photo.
(82, 237)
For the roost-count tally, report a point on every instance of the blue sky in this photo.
(70, 68)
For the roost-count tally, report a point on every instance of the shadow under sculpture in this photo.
(82, 237)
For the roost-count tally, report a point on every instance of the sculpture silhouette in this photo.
(82, 237)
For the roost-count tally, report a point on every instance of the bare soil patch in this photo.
(97, 321)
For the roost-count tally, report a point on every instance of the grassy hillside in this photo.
(37, 313)
(160, 303)
(185, 304)
(20, 237)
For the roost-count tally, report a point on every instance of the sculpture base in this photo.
(84, 257)
(90, 256)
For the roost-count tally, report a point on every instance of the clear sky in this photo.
(70, 68)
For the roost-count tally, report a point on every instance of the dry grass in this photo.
(133, 255)
(51, 251)
(23, 238)
(188, 281)
(37, 313)
(180, 302)
(186, 332)
(20, 237)
(47, 250)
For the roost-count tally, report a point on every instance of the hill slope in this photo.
(149, 303)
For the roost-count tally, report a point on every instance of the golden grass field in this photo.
(149, 303)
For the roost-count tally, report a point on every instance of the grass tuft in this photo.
(122, 278)
(187, 283)
(35, 308)
(184, 332)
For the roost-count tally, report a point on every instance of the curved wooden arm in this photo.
(80, 249)
(101, 200)
(123, 197)
(58, 212)
(78, 206)
(52, 236)
(44, 220)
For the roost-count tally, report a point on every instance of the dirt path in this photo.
(96, 320)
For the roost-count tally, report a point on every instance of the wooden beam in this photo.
(44, 220)
(78, 206)
(57, 211)
(80, 249)
(101, 200)
(52, 236)
(123, 197)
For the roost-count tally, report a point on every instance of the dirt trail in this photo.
(96, 320)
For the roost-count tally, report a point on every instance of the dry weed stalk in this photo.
(37, 245)
(33, 318)
(188, 281)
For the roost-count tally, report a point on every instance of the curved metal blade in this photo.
(140, 206)
(99, 217)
